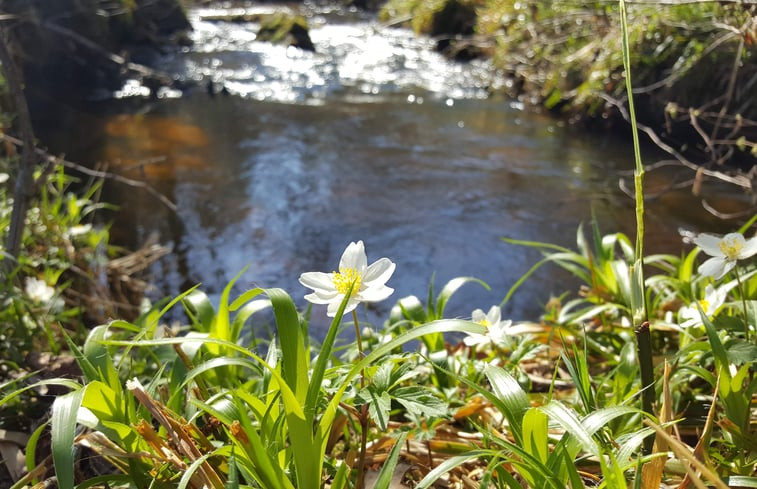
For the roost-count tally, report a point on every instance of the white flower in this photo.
(713, 298)
(724, 251)
(496, 329)
(38, 290)
(4, 177)
(367, 282)
(79, 229)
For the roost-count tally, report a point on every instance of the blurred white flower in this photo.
(4, 177)
(38, 290)
(368, 282)
(724, 251)
(79, 229)
(496, 329)
(689, 316)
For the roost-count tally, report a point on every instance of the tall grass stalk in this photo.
(639, 310)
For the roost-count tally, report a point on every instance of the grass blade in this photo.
(387, 471)
(63, 429)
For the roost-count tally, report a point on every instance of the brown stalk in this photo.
(25, 179)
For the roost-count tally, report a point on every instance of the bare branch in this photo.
(739, 180)
(25, 179)
(50, 159)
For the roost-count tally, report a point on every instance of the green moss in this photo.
(433, 17)
(285, 28)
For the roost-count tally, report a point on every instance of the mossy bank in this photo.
(71, 47)
(694, 65)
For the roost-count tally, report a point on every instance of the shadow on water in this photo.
(431, 181)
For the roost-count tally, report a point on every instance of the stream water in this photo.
(373, 137)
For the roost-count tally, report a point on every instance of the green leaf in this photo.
(420, 401)
(340, 478)
(411, 308)
(232, 482)
(245, 313)
(98, 356)
(71, 384)
(513, 400)
(63, 428)
(200, 308)
(611, 472)
(741, 481)
(567, 418)
(31, 447)
(387, 471)
(638, 306)
(294, 359)
(379, 405)
(449, 290)
(220, 327)
(596, 420)
(383, 376)
(314, 389)
(447, 325)
(741, 352)
(536, 434)
(192, 469)
(448, 465)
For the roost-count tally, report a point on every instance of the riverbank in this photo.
(75, 50)
(694, 66)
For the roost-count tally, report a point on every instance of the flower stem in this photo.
(363, 416)
(743, 301)
(359, 341)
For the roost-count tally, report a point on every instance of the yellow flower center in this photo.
(731, 247)
(704, 305)
(345, 278)
(484, 322)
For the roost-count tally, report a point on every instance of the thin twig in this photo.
(738, 180)
(729, 90)
(25, 180)
(52, 160)
(726, 215)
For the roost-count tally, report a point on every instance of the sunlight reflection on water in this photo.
(374, 137)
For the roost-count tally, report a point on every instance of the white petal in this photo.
(710, 293)
(713, 267)
(476, 339)
(318, 280)
(749, 249)
(478, 316)
(317, 299)
(374, 294)
(354, 257)
(709, 243)
(334, 306)
(688, 314)
(494, 315)
(326, 295)
(379, 272)
(726, 268)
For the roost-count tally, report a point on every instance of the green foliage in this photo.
(48, 289)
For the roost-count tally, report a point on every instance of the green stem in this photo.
(647, 378)
(363, 417)
(640, 316)
(743, 302)
(359, 341)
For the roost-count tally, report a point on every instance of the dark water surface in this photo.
(375, 137)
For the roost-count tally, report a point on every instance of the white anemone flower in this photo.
(368, 282)
(496, 329)
(724, 251)
(689, 316)
(38, 290)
